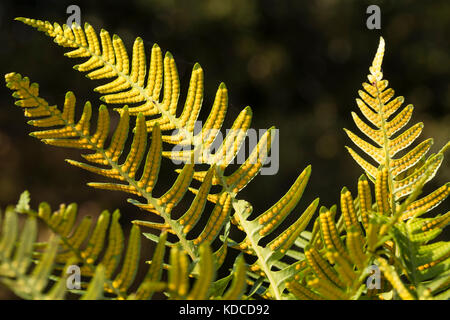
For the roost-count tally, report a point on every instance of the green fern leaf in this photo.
(17, 269)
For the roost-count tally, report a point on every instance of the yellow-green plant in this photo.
(332, 261)
(97, 248)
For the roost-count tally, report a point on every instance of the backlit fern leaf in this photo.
(108, 59)
(90, 244)
(387, 119)
(76, 134)
(337, 265)
(31, 279)
(372, 226)
(98, 252)
(28, 98)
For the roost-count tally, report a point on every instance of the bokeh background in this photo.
(298, 64)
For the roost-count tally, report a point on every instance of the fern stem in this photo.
(250, 232)
(256, 248)
(387, 157)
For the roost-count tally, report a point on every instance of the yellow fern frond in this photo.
(109, 156)
(378, 105)
(98, 249)
(136, 81)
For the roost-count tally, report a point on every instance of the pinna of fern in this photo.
(108, 59)
(97, 250)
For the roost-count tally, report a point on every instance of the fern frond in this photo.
(378, 105)
(107, 58)
(31, 279)
(91, 244)
(109, 156)
(398, 182)
(98, 259)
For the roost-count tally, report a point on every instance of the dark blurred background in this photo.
(298, 64)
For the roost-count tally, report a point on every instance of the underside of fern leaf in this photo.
(398, 183)
(140, 86)
(386, 119)
(372, 227)
(329, 262)
(90, 244)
